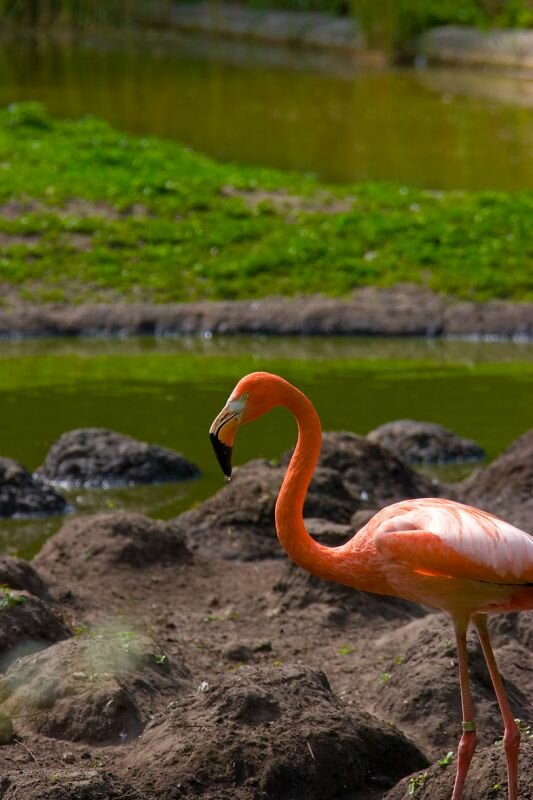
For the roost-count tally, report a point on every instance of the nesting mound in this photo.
(100, 687)
(372, 475)
(22, 496)
(505, 487)
(270, 732)
(352, 474)
(100, 457)
(487, 777)
(238, 521)
(19, 574)
(420, 681)
(26, 626)
(91, 546)
(298, 589)
(66, 785)
(425, 443)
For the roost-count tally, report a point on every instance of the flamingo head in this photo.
(254, 395)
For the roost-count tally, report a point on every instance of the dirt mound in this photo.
(372, 475)
(238, 521)
(425, 442)
(93, 545)
(26, 625)
(419, 680)
(19, 574)
(487, 777)
(269, 732)
(352, 475)
(100, 457)
(22, 496)
(505, 487)
(98, 687)
(63, 785)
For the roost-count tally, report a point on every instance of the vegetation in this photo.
(396, 19)
(390, 25)
(88, 213)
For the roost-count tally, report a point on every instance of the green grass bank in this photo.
(89, 213)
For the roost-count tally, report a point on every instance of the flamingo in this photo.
(437, 552)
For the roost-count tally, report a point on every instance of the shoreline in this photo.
(409, 311)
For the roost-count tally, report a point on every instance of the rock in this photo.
(505, 487)
(425, 443)
(27, 625)
(99, 457)
(100, 687)
(352, 474)
(95, 545)
(19, 574)
(268, 732)
(22, 496)
(88, 784)
(487, 777)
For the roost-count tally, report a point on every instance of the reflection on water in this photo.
(433, 128)
(169, 390)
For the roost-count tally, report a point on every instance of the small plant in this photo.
(399, 660)
(10, 600)
(384, 678)
(525, 728)
(447, 760)
(415, 783)
(495, 787)
(160, 658)
(345, 650)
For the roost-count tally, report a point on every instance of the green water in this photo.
(435, 128)
(168, 391)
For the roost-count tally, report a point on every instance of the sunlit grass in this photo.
(89, 213)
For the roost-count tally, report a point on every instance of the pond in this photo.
(434, 128)
(168, 391)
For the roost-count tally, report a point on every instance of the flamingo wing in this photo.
(452, 540)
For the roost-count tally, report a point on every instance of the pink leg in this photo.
(468, 742)
(511, 736)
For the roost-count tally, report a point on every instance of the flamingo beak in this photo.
(222, 433)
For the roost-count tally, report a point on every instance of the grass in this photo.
(89, 213)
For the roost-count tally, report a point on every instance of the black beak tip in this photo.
(223, 454)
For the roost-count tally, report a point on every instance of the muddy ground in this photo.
(189, 659)
(398, 311)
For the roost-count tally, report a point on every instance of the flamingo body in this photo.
(447, 555)
(434, 551)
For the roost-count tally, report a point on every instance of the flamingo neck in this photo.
(324, 562)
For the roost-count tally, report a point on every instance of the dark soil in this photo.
(19, 574)
(27, 625)
(100, 457)
(398, 311)
(203, 665)
(22, 496)
(505, 487)
(425, 443)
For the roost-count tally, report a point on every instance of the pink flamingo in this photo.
(436, 552)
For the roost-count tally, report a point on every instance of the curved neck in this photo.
(325, 562)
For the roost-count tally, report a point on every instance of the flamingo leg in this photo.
(511, 737)
(468, 741)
